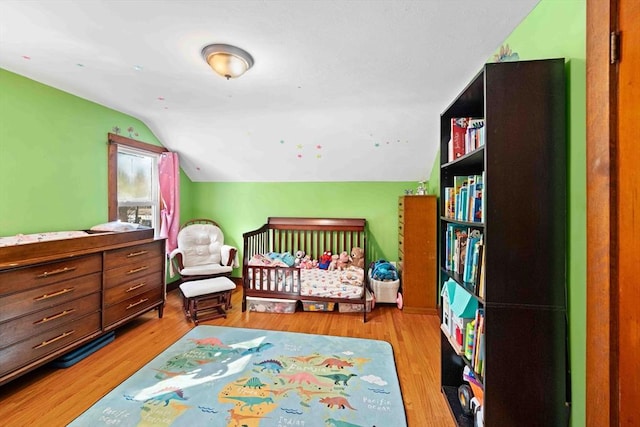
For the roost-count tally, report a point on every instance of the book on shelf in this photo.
(462, 253)
(480, 284)
(458, 134)
(464, 200)
(467, 134)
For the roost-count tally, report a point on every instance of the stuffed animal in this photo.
(325, 260)
(357, 257)
(343, 261)
(299, 256)
(307, 264)
(285, 257)
(334, 262)
(383, 270)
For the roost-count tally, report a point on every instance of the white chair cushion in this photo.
(202, 270)
(196, 288)
(201, 244)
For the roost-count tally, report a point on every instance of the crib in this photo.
(314, 236)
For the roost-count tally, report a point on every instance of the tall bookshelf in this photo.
(523, 164)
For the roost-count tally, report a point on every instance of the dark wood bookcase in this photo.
(524, 161)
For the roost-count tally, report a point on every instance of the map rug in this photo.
(223, 376)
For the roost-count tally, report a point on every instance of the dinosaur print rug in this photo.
(235, 377)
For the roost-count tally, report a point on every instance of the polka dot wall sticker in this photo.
(282, 141)
(319, 147)
(318, 156)
(299, 146)
(299, 156)
(377, 144)
(27, 57)
(137, 67)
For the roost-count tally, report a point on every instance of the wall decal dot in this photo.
(282, 141)
(377, 144)
(299, 156)
(166, 108)
(318, 156)
(26, 57)
(197, 168)
(299, 146)
(387, 142)
(80, 65)
(161, 98)
(137, 67)
(319, 147)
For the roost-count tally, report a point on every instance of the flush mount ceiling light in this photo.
(228, 61)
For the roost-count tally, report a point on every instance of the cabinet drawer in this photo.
(132, 306)
(35, 323)
(132, 288)
(32, 300)
(45, 343)
(139, 254)
(44, 274)
(132, 272)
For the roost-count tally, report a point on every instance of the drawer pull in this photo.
(143, 300)
(54, 272)
(55, 294)
(134, 254)
(136, 270)
(138, 286)
(55, 316)
(52, 340)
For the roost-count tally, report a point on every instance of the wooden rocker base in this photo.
(206, 299)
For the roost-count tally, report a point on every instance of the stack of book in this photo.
(464, 250)
(464, 201)
(474, 342)
(467, 134)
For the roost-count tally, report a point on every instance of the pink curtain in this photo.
(169, 174)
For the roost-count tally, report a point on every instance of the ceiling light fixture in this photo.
(228, 61)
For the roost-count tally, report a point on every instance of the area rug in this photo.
(222, 376)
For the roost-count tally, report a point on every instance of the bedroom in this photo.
(54, 175)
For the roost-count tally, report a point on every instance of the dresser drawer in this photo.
(35, 323)
(132, 306)
(140, 254)
(132, 288)
(45, 343)
(133, 272)
(32, 300)
(44, 274)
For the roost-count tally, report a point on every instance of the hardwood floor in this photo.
(54, 397)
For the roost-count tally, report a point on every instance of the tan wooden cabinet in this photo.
(417, 253)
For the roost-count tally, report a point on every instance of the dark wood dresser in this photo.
(60, 294)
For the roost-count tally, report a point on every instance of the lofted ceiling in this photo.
(341, 90)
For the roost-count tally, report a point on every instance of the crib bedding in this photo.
(314, 282)
(332, 284)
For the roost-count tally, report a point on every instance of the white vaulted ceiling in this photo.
(340, 90)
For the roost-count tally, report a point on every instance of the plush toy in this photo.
(357, 257)
(307, 263)
(285, 257)
(325, 260)
(334, 262)
(299, 256)
(343, 261)
(383, 270)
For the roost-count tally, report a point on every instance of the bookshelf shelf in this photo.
(516, 257)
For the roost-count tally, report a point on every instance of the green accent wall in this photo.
(242, 207)
(53, 157)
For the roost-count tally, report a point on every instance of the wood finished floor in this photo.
(54, 397)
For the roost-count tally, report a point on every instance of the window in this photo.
(133, 182)
(137, 187)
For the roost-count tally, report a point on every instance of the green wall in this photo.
(241, 207)
(53, 157)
